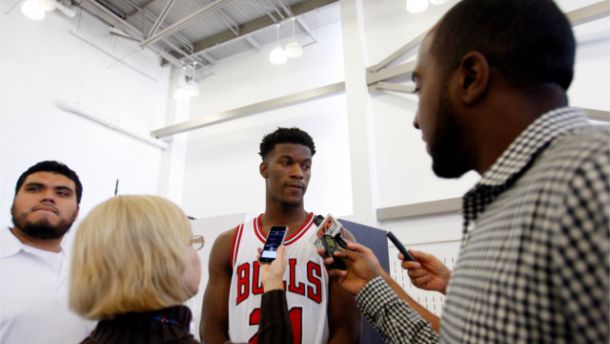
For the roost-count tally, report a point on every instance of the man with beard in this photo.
(534, 261)
(320, 310)
(33, 265)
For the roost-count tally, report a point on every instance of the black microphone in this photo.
(318, 220)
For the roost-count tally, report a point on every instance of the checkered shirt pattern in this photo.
(534, 260)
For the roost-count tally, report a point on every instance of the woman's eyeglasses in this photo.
(197, 242)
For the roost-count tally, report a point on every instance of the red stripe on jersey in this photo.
(258, 230)
(301, 231)
(257, 224)
(235, 244)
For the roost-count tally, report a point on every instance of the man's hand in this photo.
(362, 266)
(272, 274)
(428, 272)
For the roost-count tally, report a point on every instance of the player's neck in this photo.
(293, 218)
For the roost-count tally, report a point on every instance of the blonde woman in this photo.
(134, 263)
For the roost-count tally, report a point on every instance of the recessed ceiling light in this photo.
(278, 55)
(417, 6)
(33, 9)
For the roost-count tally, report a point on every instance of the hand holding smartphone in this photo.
(274, 239)
(407, 256)
(332, 244)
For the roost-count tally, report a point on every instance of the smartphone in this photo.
(400, 247)
(332, 244)
(274, 240)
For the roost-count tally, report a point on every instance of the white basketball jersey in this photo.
(305, 278)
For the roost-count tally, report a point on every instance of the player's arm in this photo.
(344, 319)
(214, 326)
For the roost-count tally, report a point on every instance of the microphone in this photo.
(328, 237)
(318, 220)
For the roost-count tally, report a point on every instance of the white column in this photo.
(364, 182)
(173, 162)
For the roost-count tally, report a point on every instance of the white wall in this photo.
(221, 173)
(404, 166)
(591, 85)
(405, 174)
(76, 60)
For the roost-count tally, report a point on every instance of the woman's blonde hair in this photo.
(129, 254)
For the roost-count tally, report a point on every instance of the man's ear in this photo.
(473, 75)
(262, 169)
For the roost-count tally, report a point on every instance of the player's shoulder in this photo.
(225, 239)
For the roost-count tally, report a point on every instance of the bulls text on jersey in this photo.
(248, 281)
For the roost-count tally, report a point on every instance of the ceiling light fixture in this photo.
(188, 88)
(417, 6)
(293, 48)
(37, 9)
(277, 55)
(33, 9)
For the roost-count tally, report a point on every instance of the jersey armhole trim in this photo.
(235, 244)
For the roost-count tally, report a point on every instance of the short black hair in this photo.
(529, 42)
(53, 167)
(285, 135)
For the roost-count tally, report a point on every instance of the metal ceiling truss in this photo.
(173, 46)
(298, 19)
(115, 20)
(187, 47)
(257, 24)
(246, 30)
(160, 19)
(137, 9)
(128, 31)
(184, 22)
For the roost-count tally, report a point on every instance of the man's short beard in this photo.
(43, 229)
(449, 158)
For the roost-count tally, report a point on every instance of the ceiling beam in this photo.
(108, 16)
(254, 43)
(266, 8)
(183, 45)
(233, 26)
(390, 86)
(184, 22)
(256, 25)
(299, 20)
(207, 57)
(249, 110)
(139, 8)
(589, 13)
(160, 19)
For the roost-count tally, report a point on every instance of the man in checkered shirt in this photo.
(533, 266)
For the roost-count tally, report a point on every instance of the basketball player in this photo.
(320, 310)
